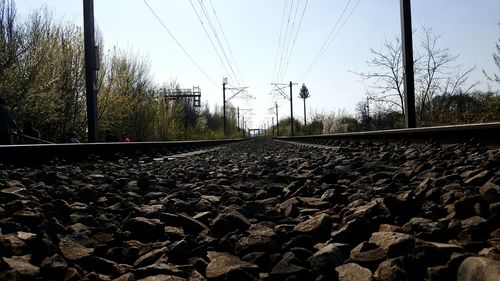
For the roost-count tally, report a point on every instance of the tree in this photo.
(495, 77)
(436, 72)
(304, 94)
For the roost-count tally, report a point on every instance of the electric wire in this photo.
(207, 16)
(209, 37)
(295, 39)
(284, 43)
(178, 43)
(285, 54)
(331, 37)
(227, 44)
(279, 42)
(332, 31)
(341, 26)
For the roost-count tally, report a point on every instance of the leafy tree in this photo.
(304, 94)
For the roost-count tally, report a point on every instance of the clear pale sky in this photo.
(252, 28)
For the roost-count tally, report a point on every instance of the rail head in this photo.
(486, 133)
(35, 153)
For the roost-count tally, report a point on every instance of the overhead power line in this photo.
(331, 36)
(209, 37)
(285, 41)
(214, 31)
(294, 41)
(279, 42)
(227, 44)
(178, 43)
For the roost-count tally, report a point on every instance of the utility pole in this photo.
(279, 88)
(224, 82)
(90, 69)
(406, 35)
(238, 89)
(291, 107)
(277, 121)
(272, 124)
(238, 121)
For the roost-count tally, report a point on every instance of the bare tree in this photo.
(304, 94)
(436, 72)
(495, 77)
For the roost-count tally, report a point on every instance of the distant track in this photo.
(77, 151)
(487, 134)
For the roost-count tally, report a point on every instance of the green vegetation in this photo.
(42, 80)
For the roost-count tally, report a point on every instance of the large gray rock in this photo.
(228, 222)
(260, 238)
(21, 266)
(318, 226)
(222, 264)
(74, 251)
(393, 243)
(479, 269)
(353, 272)
(287, 267)
(391, 270)
(144, 228)
(326, 258)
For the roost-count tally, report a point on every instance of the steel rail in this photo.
(487, 134)
(36, 153)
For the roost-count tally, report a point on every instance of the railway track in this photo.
(262, 209)
(79, 151)
(487, 134)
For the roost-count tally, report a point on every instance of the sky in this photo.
(252, 29)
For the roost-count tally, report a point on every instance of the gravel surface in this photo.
(257, 210)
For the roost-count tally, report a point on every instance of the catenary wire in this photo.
(332, 31)
(331, 37)
(288, 42)
(227, 44)
(209, 37)
(295, 39)
(207, 16)
(284, 43)
(279, 42)
(178, 43)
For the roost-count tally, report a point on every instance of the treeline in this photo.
(42, 80)
(444, 95)
(446, 109)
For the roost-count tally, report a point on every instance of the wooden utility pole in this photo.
(279, 89)
(238, 89)
(291, 107)
(224, 82)
(277, 121)
(272, 124)
(406, 35)
(90, 69)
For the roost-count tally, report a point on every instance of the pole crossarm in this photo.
(245, 111)
(279, 87)
(238, 90)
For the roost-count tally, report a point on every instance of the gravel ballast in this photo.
(257, 210)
